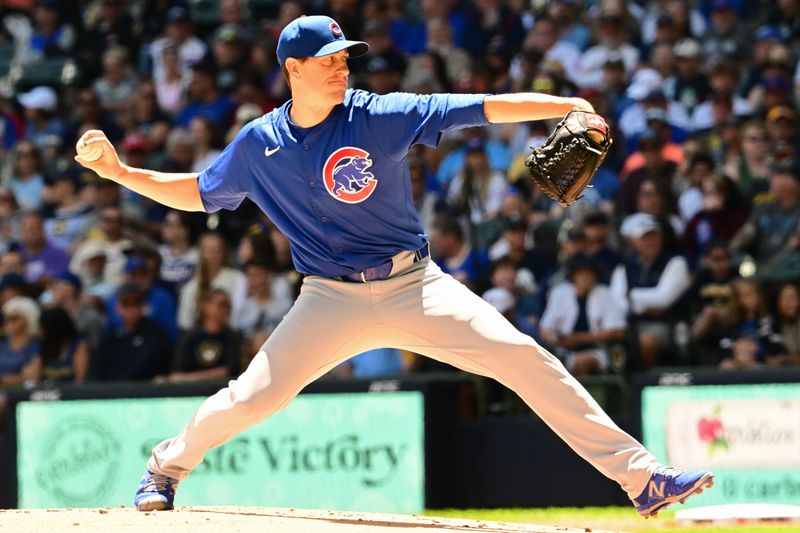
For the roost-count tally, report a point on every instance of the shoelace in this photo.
(156, 483)
(671, 474)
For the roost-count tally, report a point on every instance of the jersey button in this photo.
(306, 146)
(339, 250)
(323, 219)
(312, 184)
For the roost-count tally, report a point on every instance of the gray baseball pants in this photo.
(420, 309)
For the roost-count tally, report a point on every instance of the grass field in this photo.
(614, 518)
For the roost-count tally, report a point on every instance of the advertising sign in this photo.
(357, 451)
(749, 435)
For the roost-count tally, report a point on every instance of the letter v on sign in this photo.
(657, 490)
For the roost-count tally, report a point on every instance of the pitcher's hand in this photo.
(96, 153)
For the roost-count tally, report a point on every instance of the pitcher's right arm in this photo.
(175, 190)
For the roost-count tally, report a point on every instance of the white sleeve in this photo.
(612, 317)
(674, 281)
(619, 289)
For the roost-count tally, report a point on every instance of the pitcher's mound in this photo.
(247, 520)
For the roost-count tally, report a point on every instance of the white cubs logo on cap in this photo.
(336, 30)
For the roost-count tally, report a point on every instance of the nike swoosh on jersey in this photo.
(268, 152)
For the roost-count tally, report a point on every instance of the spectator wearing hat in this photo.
(773, 89)
(457, 257)
(691, 85)
(581, 318)
(772, 233)
(177, 32)
(531, 264)
(135, 348)
(657, 120)
(633, 120)
(765, 39)
(88, 114)
(723, 76)
(612, 38)
(20, 345)
(205, 99)
(52, 36)
(376, 34)
(72, 216)
(686, 19)
(89, 264)
(655, 167)
(477, 192)
(212, 349)
(64, 356)
(711, 300)
(380, 76)
(111, 26)
(12, 284)
(614, 84)
(26, 180)
(41, 119)
(781, 124)
(597, 231)
(453, 163)
(65, 292)
(230, 50)
(43, 259)
(648, 287)
(111, 232)
(142, 267)
(511, 293)
(726, 36)
(116, 86)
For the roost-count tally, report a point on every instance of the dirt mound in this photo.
(246, 520)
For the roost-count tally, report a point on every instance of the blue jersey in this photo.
(340, 191)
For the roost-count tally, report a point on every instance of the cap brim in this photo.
(357, 48)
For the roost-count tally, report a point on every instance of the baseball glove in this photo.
(563, 166)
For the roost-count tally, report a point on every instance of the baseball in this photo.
(90, 152)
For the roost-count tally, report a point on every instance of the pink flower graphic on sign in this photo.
(711, 431)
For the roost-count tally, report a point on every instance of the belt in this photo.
(383, 270)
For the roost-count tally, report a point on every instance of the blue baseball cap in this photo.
(315, 36)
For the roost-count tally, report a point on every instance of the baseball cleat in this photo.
(669, 485)
(156, 492)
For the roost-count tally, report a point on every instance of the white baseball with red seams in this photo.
(90, 151)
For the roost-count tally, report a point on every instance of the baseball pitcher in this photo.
(330, 170)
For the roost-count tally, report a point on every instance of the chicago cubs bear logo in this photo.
(336, 30)
(346, 177)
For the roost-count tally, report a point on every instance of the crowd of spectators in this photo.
(684, 251)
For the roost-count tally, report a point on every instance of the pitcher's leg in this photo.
(324, 327)
(441, 318)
